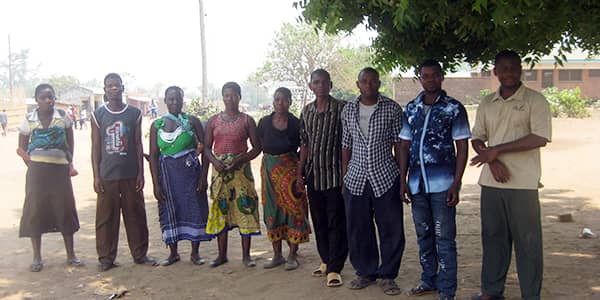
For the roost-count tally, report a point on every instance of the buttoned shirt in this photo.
(371, 157)
(432, 132)
(501, 121)
(321, 134)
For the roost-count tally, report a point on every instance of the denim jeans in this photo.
(435, 224)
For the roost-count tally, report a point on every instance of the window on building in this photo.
(486, 73)
(569, 75)
(530, 75)
(595, 73)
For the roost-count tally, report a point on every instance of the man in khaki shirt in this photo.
(514, 122)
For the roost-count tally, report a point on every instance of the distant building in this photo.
(581, 73)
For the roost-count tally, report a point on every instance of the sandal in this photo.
(217, 262)
(249, 263)
(420, 290)
(75, 262)
(276, 261)
(170, 260)
(390, 287)
(320, 271)
(103, 267)
(292, 264)
(334, 279)
(198, 261)
(36, 266)
(360, 282)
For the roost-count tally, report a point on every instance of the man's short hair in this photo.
(112, 76)
(368, 70)
(508, 54)
(430, 63)
(320, 72)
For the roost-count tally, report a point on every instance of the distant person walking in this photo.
(117, 162)
(46, 145)
(511, 126)
(3, 121)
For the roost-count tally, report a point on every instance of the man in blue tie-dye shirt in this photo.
(433, 125)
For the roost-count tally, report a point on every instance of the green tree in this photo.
(410, 31)
(23, 73)
(61, 83)
(344, 75)
(295, 52)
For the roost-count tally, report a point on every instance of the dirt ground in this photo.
(572, 265)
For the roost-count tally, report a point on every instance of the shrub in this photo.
(567, 102)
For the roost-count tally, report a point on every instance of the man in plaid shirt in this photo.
(371, 127)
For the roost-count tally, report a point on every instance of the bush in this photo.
(567, 102)
(201, 112)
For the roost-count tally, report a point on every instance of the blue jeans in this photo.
(435, 224)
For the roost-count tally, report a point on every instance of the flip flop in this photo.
(274, 263)
(334, 279)
(390, 287)
(320, 271)
(360, 282)
(198, 261)
(170, 260)
(36, 266)
(75, 262)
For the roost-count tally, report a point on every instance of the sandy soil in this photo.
(572, 266)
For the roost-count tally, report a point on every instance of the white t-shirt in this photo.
(364, 115)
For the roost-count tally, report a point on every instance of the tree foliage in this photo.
(61, 83)
(23, 73)
(297, 50)
(410, 31)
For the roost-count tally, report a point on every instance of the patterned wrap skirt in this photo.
(183, 214)
(234, 200)
(285, 209)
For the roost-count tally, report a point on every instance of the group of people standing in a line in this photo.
(352, 164)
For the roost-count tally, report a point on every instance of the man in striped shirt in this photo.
(320, 168)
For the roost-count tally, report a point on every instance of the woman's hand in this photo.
(158, 194)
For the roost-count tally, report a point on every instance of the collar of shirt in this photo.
(518, 95)
(380, 98)
(442, 96)
(312, 107)
(34, 117)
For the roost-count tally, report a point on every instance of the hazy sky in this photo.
(155, 41)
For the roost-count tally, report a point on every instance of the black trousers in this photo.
(329, 222)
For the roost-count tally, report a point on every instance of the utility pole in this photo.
(203, 47)
(10, 74)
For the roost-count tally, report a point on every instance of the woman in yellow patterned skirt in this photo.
(234, 198)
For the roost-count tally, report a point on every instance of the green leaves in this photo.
(410, 31)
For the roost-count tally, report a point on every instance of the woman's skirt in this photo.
(285, 209)
(184, 212)
(49, 202)
(234, 200)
